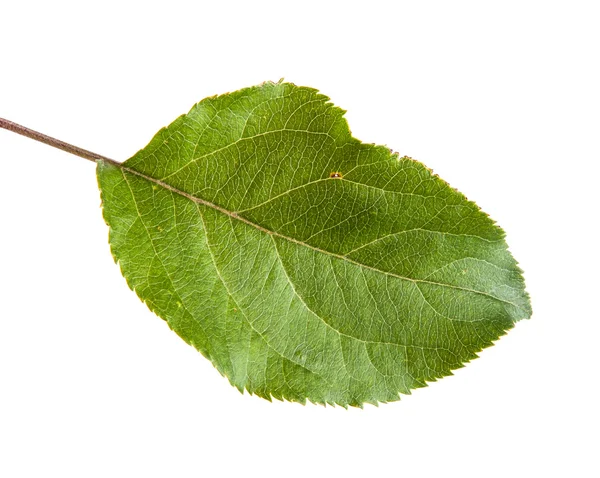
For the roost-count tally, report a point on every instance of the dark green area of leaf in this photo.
(303, 263)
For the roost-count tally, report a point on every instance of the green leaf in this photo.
(303, 263)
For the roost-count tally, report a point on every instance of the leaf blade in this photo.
(315, 266)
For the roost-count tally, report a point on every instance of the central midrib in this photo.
(298, 242)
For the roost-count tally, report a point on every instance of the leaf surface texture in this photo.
(303, 263)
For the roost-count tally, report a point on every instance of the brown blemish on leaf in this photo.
(336, 175)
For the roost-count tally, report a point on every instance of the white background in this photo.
(501, 99)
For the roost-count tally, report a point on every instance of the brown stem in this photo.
(57, 143)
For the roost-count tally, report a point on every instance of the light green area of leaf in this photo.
(302, 262)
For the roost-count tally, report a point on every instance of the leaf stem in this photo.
(57, 143)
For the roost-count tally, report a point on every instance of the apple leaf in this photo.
(305, 264)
